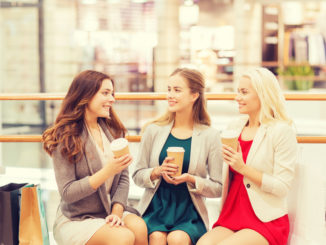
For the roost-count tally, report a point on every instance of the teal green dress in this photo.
(171, 207)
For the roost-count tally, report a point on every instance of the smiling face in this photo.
(101, 103)
(247, 97)
(179, 94)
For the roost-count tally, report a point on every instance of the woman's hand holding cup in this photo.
(166, 170)
(122, 159)
(116, 165)
(168, 167)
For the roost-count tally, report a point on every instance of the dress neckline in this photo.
(240, 139)
(180, 139)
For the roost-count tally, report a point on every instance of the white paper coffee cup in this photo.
(177, 153)
(120, 147)
(230, 138)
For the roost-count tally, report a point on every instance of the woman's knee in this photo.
(108, 235)
(205, 240)
(178, 237)
(125, 237)
(120, 235)
(157, 236)
(136, 224)
(215, 236)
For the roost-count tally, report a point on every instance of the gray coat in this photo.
(205, 161)
(78, 199)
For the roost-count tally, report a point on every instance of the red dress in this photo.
(238, 214)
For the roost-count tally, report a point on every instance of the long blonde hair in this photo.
(196, 83)
(270, 95)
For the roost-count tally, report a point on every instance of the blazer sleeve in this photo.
(70, 188)
(142, 173)
(120, 195)
(211, 186)
(285, 157)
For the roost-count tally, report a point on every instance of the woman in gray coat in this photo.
(92, 183)
(174, 207)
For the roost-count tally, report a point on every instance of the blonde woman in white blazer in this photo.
(254, 196)
(174, 207)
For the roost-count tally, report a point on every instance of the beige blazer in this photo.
(274, 152)
(205, 164)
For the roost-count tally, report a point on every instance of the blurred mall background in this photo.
(45, 43)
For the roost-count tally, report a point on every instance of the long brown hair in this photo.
(196, 83)
(69, 123)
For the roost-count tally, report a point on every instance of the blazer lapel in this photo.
(225, 183)
(161, 139)
(90, 153)
(94, 164)
(195, 149)
(106, 130)
(256, 142)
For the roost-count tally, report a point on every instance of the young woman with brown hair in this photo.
(93, 185)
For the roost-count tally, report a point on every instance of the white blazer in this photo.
(205, 164)
(274, 152)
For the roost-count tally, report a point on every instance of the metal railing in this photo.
(149, 96)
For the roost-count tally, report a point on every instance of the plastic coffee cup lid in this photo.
(118, 144)
(175, 149)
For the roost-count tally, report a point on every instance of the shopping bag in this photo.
(32, 225)
(9, 213)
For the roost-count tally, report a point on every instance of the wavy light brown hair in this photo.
(69, 123)
(196, 83)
